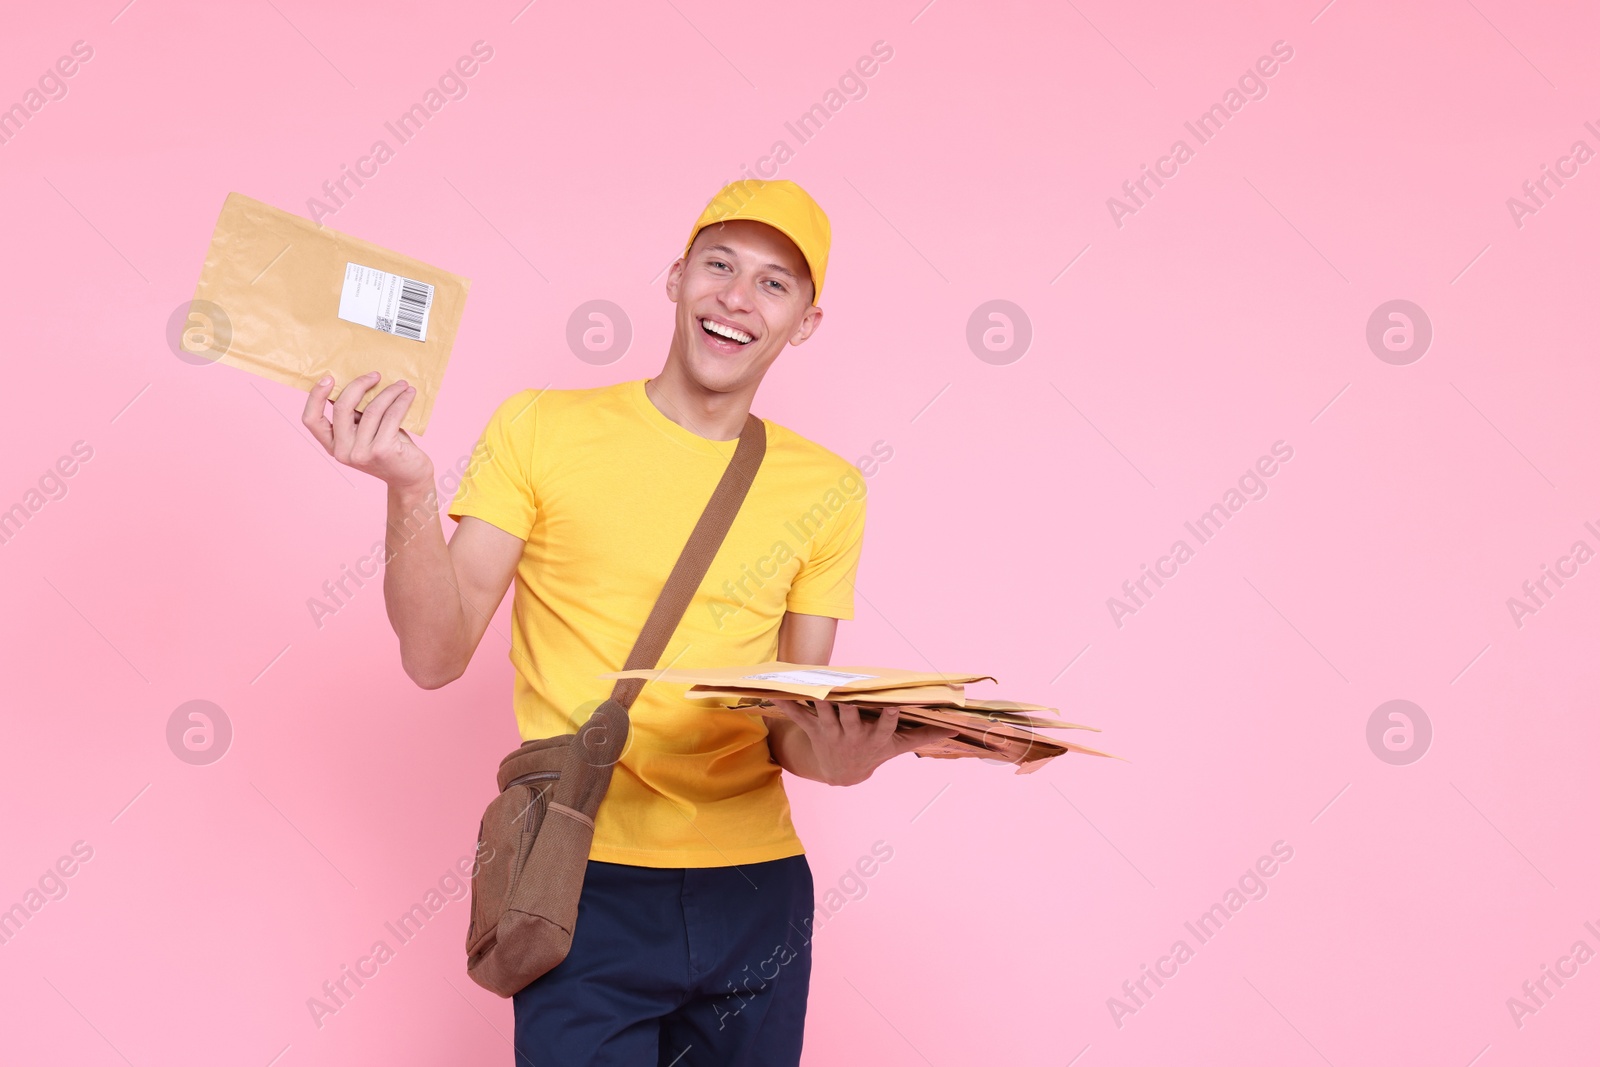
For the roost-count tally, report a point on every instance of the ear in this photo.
(808, 325)
(675, 279)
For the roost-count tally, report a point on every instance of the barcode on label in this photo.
(388, 302)
(414, 300)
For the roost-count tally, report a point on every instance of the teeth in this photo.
(726, 331)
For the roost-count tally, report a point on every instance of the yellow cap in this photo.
(785, 207)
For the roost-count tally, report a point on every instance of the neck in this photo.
(714, 416)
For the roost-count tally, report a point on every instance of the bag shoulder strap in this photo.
(695, 559)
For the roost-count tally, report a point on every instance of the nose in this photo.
(738, 294)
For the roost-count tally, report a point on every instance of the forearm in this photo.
(801, 639)
(420, 590)
(791, 750)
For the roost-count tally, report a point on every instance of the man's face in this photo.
(744, 278)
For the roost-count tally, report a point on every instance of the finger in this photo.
(389, 428)
(791, 707)
(798, 714)
(889, 725)
(371, 420)
(888, 722)
(828, 717)
(315, 415)
(344, 410)
(850, 720)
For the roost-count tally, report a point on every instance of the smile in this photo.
(717, 329)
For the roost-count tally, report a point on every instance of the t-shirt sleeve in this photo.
(826, 582)
(497, 485)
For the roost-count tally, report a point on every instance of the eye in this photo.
(716, 263)
(779, 287)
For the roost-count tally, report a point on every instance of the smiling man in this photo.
(692, 944)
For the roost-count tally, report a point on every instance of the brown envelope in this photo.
(745, 698)
(906, 694)
(284, 298)
(1026, 759)
(977, 735)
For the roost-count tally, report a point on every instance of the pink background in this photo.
(1228, 313)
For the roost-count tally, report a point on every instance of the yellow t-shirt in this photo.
(604, 489)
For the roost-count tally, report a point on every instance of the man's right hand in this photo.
(370, 441)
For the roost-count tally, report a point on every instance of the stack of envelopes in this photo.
(1001, 730)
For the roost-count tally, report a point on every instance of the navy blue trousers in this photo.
(677, 967)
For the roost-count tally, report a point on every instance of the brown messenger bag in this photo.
(533, 842)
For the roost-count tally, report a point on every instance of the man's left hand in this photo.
(845, 749)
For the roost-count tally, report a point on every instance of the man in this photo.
(692, 944)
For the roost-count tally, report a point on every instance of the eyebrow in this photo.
(779, 267)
